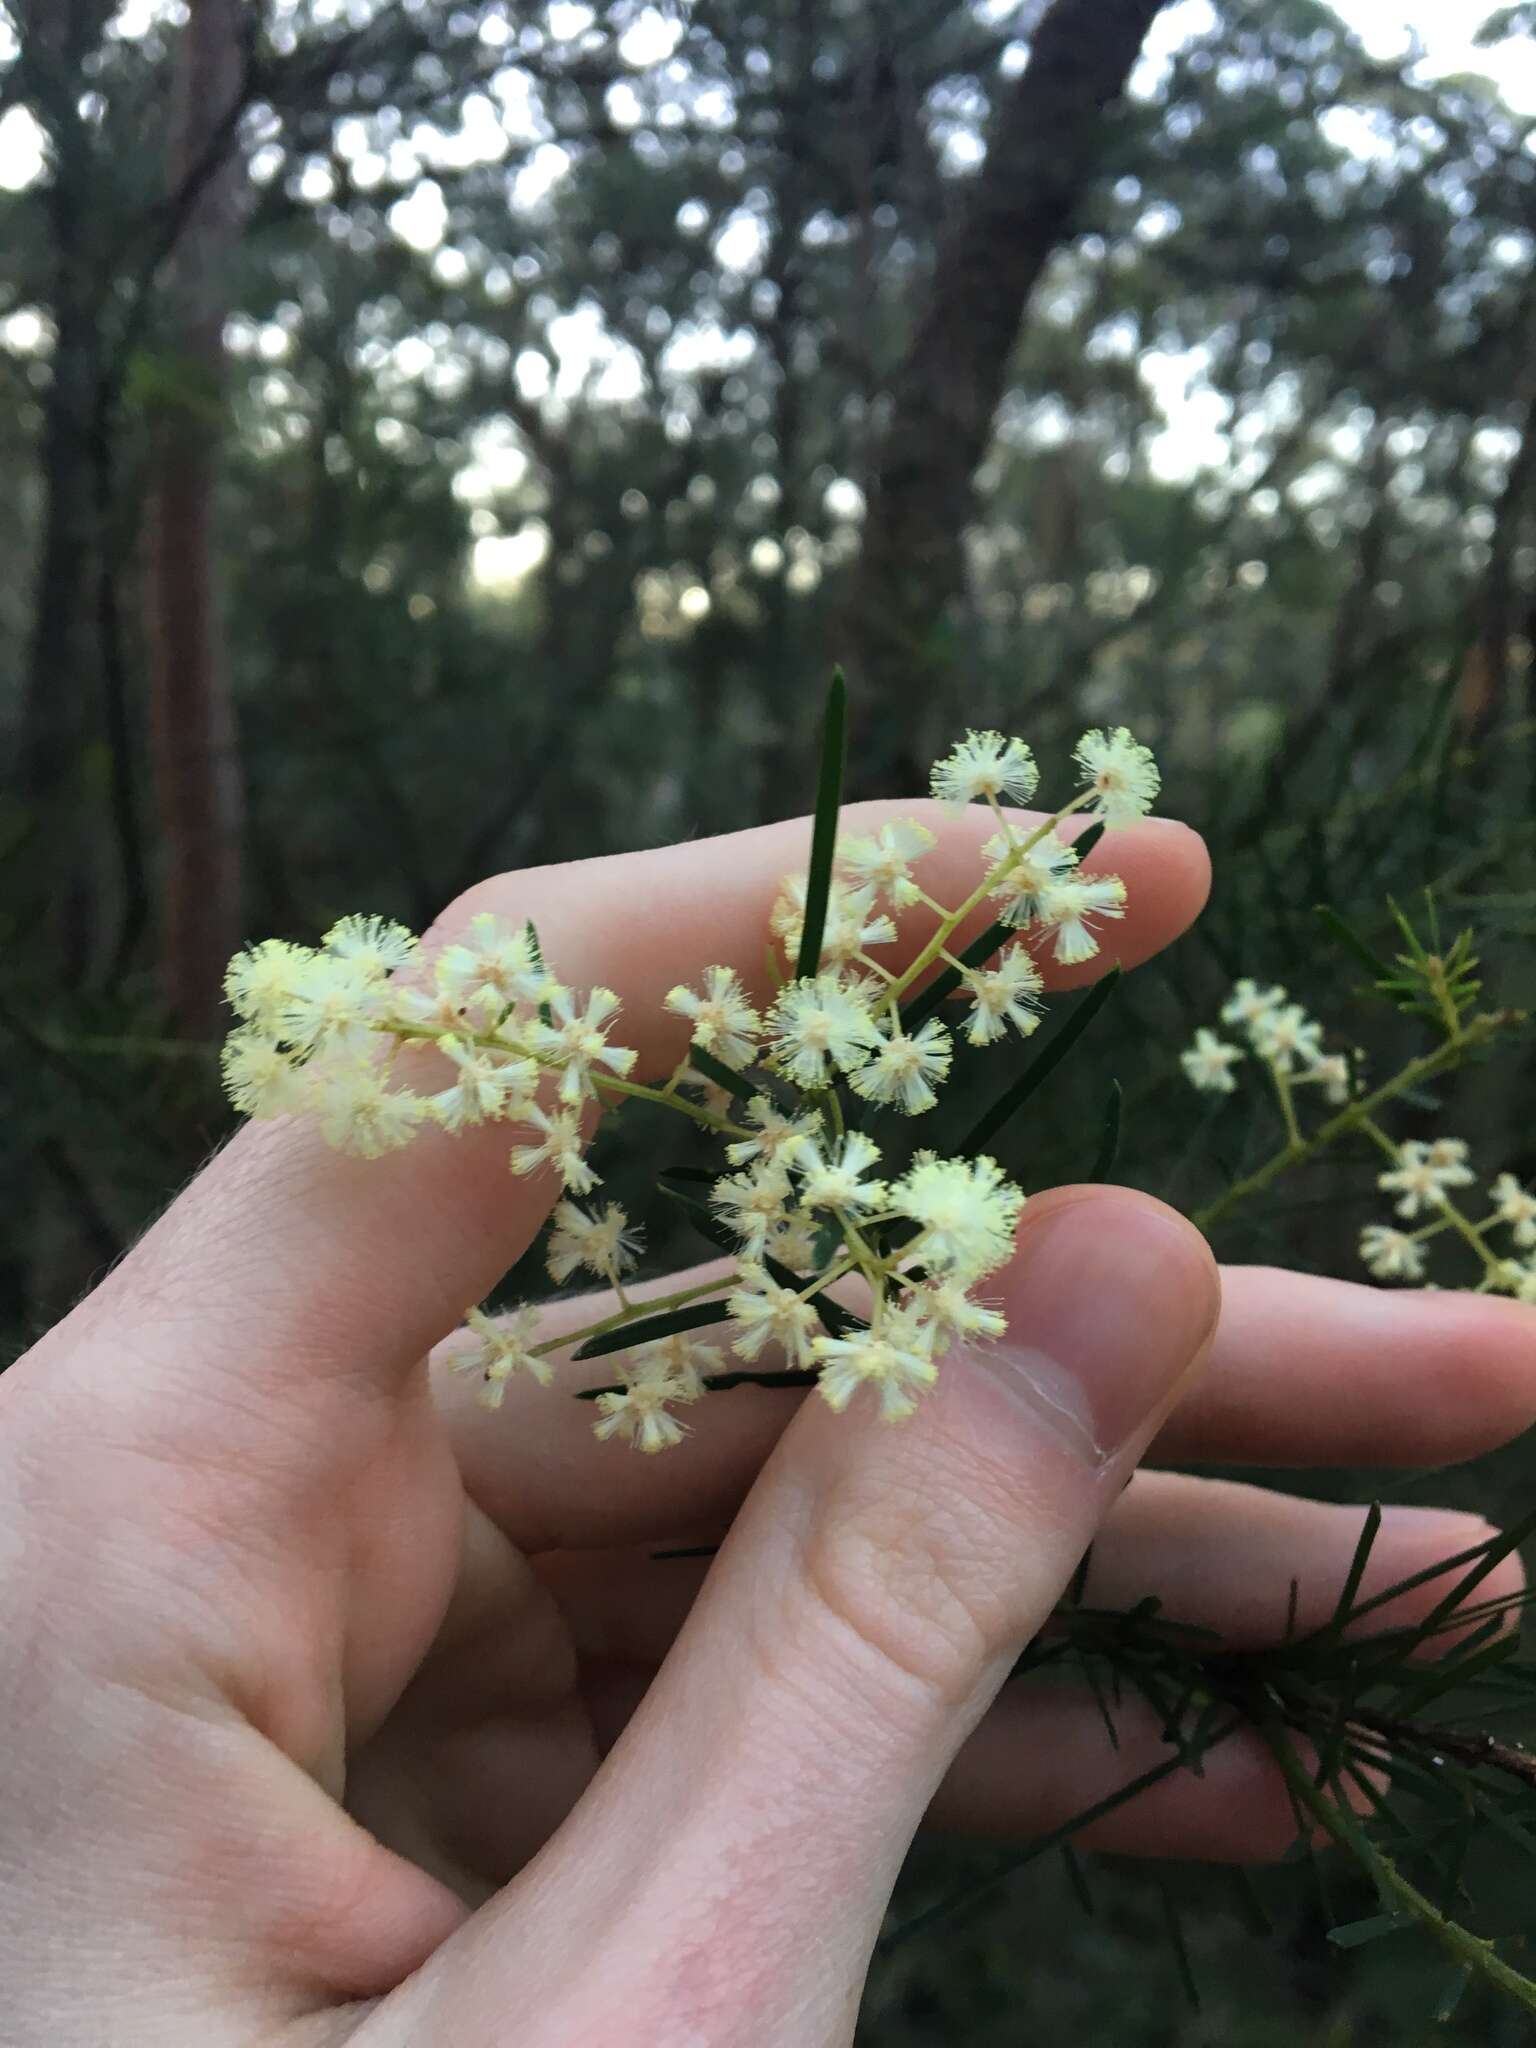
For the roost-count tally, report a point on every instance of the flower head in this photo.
(774, 1135)
(1066, 906)
(753, 1205)
(561, 1145)
(853, 924)
(967, 1211)
(492, 968)
(378, 946)
(1391, 1254)
(428, 1011)
(576, 1041)
(504, 1349)
(1331, 1073)
(259, 1077)
(261, 982)
(1516, 1206)
(724, 1022)
(1208, 1063)
(1030, 872)
(1248, 1003)
(949, 1311)
(818, 1026)
(832, 1177)
(604, 1244)
(884, 862)
(797, 1242)
(359, 1112)
(1121, 773)
(896, 1357)
(1425, 1174)
(490, 1084)
(903, 1067)
(764, 1313)
(332, 998)
(1285, 1034)
(985, 765)
(656, 1377)
(1001, 995)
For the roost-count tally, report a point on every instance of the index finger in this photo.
(294, 1260)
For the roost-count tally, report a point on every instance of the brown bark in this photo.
(192, 724)
(1044, 144)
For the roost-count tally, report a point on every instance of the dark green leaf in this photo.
(1080, 1579)
(1042, 1066)
(829, 797)
(1376, 967)
(1474, 1660)
(696, 1315)
(1357, 1564)
(1174, 1923)
(1357, 1933)
(1451, 1997)
(686, 1184)
(1493, 1554)
(1474, 1555)
(1041, 1846)
(1109, 1139)
(1085, 842)
(1248, 1905)
(1077, 1878)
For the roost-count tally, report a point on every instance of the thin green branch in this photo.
(1352, 1118)
(1396, 1893)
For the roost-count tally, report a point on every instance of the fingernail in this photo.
(1110, 1301)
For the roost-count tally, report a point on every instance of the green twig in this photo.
(1396, 1893)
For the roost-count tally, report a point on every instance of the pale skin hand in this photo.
(254, 1558)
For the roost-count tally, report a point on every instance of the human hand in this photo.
(308, 1666)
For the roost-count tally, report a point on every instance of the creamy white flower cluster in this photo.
(378, 1044)
(1279, 1033)
(1423, 1175)
(322, 1029)
(1423, 1180)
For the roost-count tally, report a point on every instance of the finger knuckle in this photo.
(916, 1584)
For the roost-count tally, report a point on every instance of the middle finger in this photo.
(1302, 1371)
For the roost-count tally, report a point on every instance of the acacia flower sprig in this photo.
(800, 1198)
(1421, 1175)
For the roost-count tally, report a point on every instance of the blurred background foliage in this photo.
(450, 435)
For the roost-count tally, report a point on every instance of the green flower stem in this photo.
(1287, 1101)
(823, 1281)
(410, 1033)
(1428, 1064)
(634, 1312)
(953, 919)
(1479, 1957)
(696, 1110)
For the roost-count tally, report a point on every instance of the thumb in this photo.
(725, 1878)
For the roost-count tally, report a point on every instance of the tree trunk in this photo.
(1483, 692)
(191, 710)
(60, 723)
(1042, 151)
